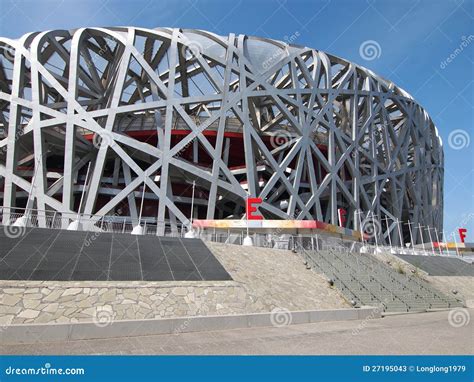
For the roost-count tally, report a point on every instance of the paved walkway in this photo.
(426, 333)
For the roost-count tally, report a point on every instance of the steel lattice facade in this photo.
(307, 132)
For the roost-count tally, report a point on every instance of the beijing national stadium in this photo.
(161, 183)
(162, 126)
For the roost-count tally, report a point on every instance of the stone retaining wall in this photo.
(102, 302)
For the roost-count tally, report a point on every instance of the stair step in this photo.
(365, 279)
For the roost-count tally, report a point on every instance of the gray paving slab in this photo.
(420, 333)
(440, 266)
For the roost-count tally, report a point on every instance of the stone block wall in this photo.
(102, 302)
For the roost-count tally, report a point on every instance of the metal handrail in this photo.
(35, 218)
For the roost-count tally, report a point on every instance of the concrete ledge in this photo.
(36, 333)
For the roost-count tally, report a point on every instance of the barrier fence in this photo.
(21, 217)
(316, 242)
(34, 218)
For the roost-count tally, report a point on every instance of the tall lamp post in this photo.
(388, 234)
(76, 224)
(437, 240)
(376, 234)
(428, 228)
(190, 233)
(23, 220)
(456, 244)
(363, 249)
(411, 236)
(138, 229)
(421, 237)
(402, 243)
(248, 242)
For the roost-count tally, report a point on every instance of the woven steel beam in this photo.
(307, 132)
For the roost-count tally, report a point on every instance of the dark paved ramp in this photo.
(440, 266)
(44, 254)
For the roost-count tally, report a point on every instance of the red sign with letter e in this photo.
(251, 208)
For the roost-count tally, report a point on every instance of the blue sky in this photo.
(415, 37)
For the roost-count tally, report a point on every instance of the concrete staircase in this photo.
(366, 281)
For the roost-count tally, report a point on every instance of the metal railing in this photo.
(119, 224)
(314, 242)
(32, 218)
